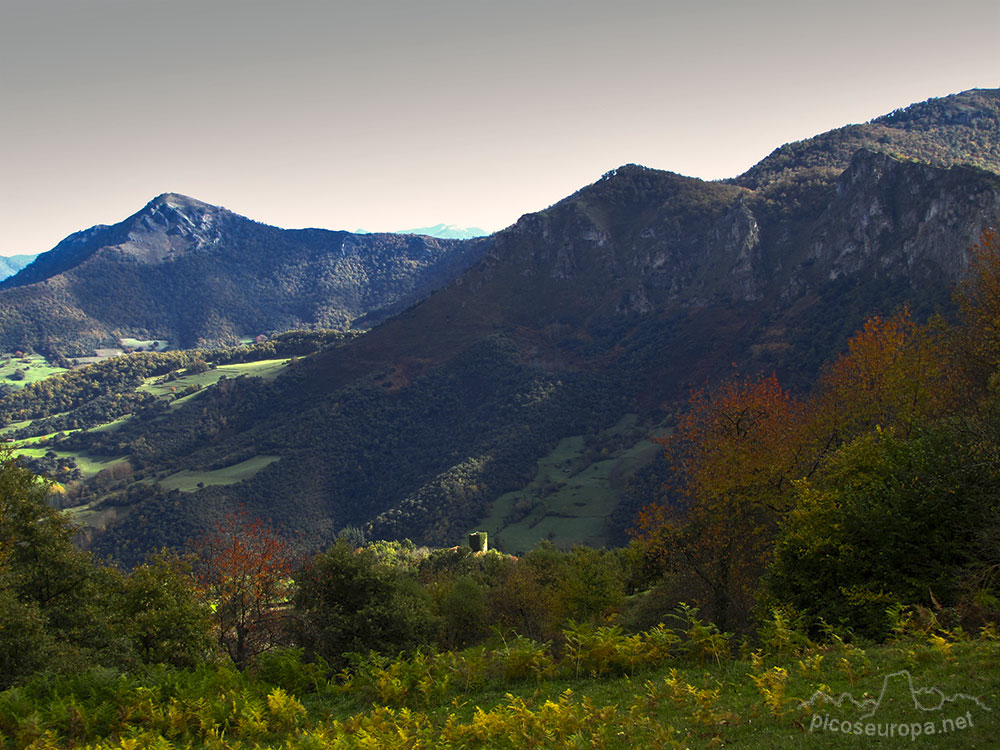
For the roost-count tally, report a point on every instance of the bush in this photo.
(348, 601)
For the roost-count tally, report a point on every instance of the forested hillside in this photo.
(522, 394)
(197, 275)
(770, 410)
(958, 129)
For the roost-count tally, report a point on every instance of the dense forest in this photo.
(958, 129)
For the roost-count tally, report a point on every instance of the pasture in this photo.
(571, 494)
(33, 367)
(161, 386)
(191, 481)
(89, 465)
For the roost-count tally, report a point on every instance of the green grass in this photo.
(111, 426)
(88, 465)
(40, 439)
(92, 516)
(570, 496)
(35, 368)
(758, 704)
(268, 369)
(15, 426)
(188, 481)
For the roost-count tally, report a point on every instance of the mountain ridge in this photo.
(971, 119)
(442, 231)
(615, 300)
(191, 273)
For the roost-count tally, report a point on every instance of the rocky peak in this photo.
(172, 224)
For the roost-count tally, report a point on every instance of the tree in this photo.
(25, 644)
(734, 453)
(348, 600)
(978, 299)
(890, 519)
(53, 598)
(159, 608)
(895, 374)
(245, 569)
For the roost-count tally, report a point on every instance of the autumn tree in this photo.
(737, 449)
(978, 298)
(887, 517)
(734, 452)
(245, 569)
(896, 374)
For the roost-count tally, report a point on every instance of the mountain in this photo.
(196, 274)
(11, 264)
(447, 231)
(442, 231)
(944, 132)
(517, 397)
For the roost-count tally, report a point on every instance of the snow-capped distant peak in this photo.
(442, 231)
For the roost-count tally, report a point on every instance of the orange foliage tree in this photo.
(978, 298)
(896, 374)
(738, 448)
(734, 452)
(245, 568)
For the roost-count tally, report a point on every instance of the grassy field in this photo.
(25, 442)
(88, 465)
(91, 516)
(111, 426)
(268, 369)
(570, 496)
(34, 366)
(15, 426)
(189, 481)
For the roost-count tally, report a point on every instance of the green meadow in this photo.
(190, 481)
(604, 690)
(34, 367)
(571, 494)
(88, 465)
(268, 369)
(150, 345)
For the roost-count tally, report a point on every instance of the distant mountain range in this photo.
(195, 274)
(442, 231)
(572, 334)
(11, 264)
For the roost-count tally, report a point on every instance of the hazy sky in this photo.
(388, 115)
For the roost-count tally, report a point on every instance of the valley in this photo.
(672, 420)
(509, 383)
(741, 426)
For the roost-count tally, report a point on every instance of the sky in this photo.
(396, 114)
